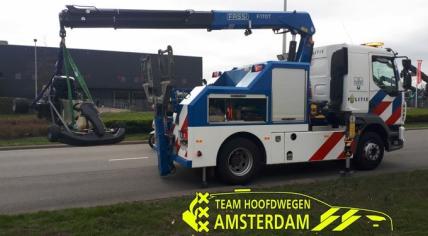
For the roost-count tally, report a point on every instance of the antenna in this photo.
(346, 32)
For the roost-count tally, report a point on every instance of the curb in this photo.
(10, 148)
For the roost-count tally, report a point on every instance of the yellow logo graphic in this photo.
(349, 217)
(244, 209)
(197, 217)
(327, 218)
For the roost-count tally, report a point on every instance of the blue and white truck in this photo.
(296, 109)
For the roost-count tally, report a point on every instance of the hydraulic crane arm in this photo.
(294, 22)
(91, 17)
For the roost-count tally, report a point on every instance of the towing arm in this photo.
(293, 22)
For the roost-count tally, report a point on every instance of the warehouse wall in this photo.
(114, 78)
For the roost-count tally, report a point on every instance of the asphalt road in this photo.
(46, 179)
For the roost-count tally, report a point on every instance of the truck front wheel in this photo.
(370, 151)
(239, 161)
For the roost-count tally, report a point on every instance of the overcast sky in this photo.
(401, 25)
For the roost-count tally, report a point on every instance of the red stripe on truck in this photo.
(342, 154)
(327, 146)
(185, 124)
(381, 108)
(394, 117)
(177, 145)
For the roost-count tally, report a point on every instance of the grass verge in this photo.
(401, 195)
(417, 125)
(23, 130)
(417, 111)
(43, 140)
(126, 116)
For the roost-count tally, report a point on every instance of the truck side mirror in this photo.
(407, 80)
(407, 64)
(406, 74)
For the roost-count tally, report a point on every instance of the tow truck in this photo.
(303, 108)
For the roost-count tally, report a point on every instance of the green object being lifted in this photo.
(70, 107)
(70, 66)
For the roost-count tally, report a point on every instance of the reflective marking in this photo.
(327, 146)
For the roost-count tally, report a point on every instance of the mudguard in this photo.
(89, 111)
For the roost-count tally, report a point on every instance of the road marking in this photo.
(128, 159)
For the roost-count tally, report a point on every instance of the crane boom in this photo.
(91, 17)
(294, 22)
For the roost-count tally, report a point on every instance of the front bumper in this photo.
(396, 139)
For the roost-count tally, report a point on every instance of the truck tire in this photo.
(54, 132)
(370, 151)
(90, 112)
(152, 141)
(239, 161)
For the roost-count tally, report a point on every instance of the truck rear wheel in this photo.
(239, 161)
(370, 151)
(152, 140)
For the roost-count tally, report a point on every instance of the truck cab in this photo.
(371, 84)
(371, 87)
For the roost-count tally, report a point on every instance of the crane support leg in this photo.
(204, 177)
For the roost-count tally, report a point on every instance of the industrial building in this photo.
(114, 78)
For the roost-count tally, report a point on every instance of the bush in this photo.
(20, 126)
(126, 116)
(21, 106)
(417, 115)
(6, 105)
(134, 122)
(416, 118)
(132, 126)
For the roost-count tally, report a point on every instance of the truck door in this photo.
(289, 106)
(385, 99)
(357, 82)
(289, 95)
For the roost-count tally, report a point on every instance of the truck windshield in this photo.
(384, 74)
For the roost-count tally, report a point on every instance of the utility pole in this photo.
(35, 68)
(284, 36)
(418, 80)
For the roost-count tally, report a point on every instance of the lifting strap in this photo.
(70, 64)
(69, 92)
(71, 67)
